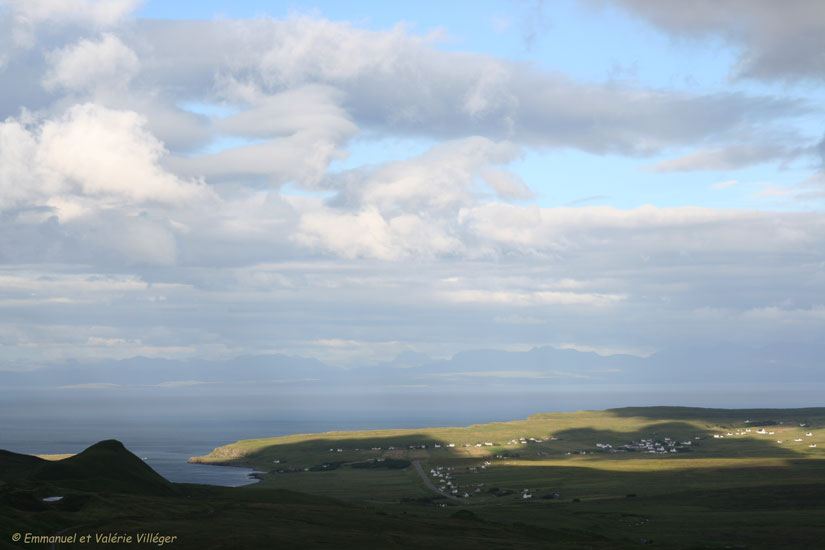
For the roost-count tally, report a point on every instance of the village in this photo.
(444, 478)
(763, 431)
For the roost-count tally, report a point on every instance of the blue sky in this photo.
(585, 42)
(351, 181)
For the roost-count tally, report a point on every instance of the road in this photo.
(430, 485)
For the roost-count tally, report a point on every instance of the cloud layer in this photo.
(184, 189)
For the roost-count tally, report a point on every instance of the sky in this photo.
(355, 182)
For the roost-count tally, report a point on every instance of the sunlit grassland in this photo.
(744, 490)
(495, 464)
(54, 457)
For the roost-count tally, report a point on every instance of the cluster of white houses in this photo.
(444, 476)
(763, 431)
(526, 440)
(667, 445)
(746, 431)
(653, 446)
(413, 446)
(447, 483)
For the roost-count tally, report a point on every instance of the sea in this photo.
(167, 430)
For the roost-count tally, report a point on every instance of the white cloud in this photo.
(507, 185)
(90, 386)
(311, 109)
(28, 15)
(181, 384)
(491, 91)
(90, 151)
(408, 208)
(518, 320)
(109, 153)
(18, 181)
(304, 129)
(396, 82)
(606, 351)
(300, 158)
(534, 298)
(88, 65)
(511, 374)
(369, 234)
(442, 178)
(728, 158)
(97, 12)
(777, 314)
(423, 252)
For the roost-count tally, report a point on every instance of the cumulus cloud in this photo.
(120, 164)
(97, 12)
(410, 207)
(106, 152)
(443, 178)
(90, 151)
(27, 15)
(89, 186)
(303, 87)
(92, 64)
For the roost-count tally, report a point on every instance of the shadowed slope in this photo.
(105, 466)
(14, 466)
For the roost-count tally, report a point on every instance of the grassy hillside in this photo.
(592, 471)
(105, 466)
(106, 489)
(620, 478)
(13, 466)
(559, 434)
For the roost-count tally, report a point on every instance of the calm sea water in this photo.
(169, 428)
(167, 448)
(167, 441)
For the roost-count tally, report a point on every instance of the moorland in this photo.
(654, 477)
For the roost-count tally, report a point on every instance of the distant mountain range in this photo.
(541, 366)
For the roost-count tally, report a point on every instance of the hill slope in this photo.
(105, 466)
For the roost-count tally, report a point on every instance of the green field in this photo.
(652, 477)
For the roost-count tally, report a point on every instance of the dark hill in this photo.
(14, 466)
(106, 466)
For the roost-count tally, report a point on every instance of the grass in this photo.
(741, 490)
(54, 457)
